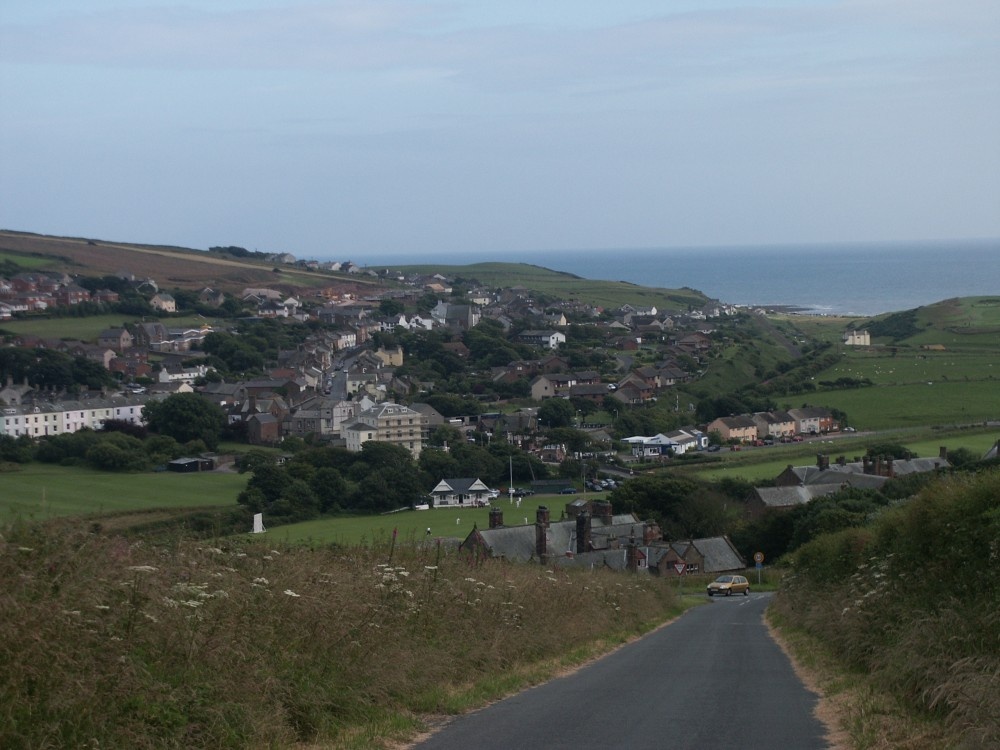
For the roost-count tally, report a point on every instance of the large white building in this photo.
(386, 423)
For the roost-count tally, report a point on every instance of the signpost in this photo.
(758, 557)
(679, 567)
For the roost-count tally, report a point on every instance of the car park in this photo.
(728, 585)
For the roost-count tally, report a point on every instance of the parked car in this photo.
(567, 491)
(729, 585)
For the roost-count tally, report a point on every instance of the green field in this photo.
(41, 491)
(566, 286)
(26, 262)
(89, 328)
(765, 463)
(413, 525)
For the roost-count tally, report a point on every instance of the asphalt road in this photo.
(713, 679)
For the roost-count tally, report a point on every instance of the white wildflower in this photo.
(192, 603)
(261, 581)
(143, 568)
(289, 592)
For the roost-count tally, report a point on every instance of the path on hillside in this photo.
(714, 678)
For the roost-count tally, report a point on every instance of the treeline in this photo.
(319, 480)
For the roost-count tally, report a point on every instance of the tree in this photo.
(556, 412)
(186, 417)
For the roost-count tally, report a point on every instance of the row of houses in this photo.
(40, 418)
(798, 485)
(591, 535)
(749, 428)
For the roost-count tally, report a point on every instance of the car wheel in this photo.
(747, 592)
(729, 592)
(709, 593)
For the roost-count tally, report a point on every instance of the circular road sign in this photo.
(758, 557)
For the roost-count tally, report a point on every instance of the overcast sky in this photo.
(342, 129)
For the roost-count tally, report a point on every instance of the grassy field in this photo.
(413, 525)
(87, 329)
(567, 286)
(25, 262)
(41, 491)
(766, 463)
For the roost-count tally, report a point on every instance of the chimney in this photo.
(943, 452)
(632, 554)
(878, 466)
(822, 461)
(541, 527)
(866, 464)
(496, 518)
(889, 472)
(650, 533)
(583, 543)
(602, 509)
(841, 460)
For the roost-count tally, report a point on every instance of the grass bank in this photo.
(901, 619)
(116, 643)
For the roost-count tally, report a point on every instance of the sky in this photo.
(350, 128)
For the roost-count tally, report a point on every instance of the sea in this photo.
(856, 279)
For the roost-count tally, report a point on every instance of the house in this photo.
(775, 424)
(386, 423)
(709, 555)
(857, 338)
(545, 339)
(591, 537)
(867, 472)
(460, 492)
(163, 302)
(812, 420)
(551, 385)
(118, 339)
(263, 429)
(741, 429)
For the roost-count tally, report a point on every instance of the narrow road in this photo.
(711, 680)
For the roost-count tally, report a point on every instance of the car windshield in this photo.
(724, 579)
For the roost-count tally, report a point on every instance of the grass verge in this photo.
(115, 642)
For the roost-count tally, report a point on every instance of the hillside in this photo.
(187, 268)
(170, 266)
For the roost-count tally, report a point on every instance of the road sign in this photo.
(758, 557)
(680, 568)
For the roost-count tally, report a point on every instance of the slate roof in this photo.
(788, 497)
(517, 543)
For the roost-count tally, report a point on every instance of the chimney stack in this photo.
(943, 452)
(889, 471)
(541, 529)
(496, 518)
(866, 464)
(632, 554)
(602, 509)
(583, 543)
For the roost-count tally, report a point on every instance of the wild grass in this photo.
(909, 609)
(119, 643)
